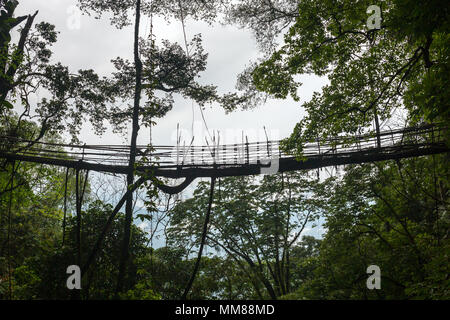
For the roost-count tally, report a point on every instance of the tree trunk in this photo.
(375, 114)
(17, 56)
(78, 208)
(134, 134)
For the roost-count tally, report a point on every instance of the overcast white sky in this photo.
(88, 43)
(91, 43)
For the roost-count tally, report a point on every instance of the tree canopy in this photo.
(372, 73)
(289, 235)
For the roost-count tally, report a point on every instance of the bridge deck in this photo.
(231, 160)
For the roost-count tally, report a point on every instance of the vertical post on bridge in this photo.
(203, 160)
(257, 152)
(318, 147)
(334, 146)
(224, 150)
(438, 131)
(432, 135)
(218, 146)
(247, 147)
(267, 141)
(184, 153)
(392, 137)
(279, 158)
(82, 156)
(178, 145)
(358, 141)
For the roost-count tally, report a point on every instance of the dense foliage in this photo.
(259, 243)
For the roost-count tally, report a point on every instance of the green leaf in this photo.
(8, 105)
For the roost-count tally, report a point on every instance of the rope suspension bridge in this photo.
(231, 160)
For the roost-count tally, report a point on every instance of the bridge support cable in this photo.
(65, 207)
(203, 240)
(108, 224)
(118, 207)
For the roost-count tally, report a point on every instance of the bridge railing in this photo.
(220, 155)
